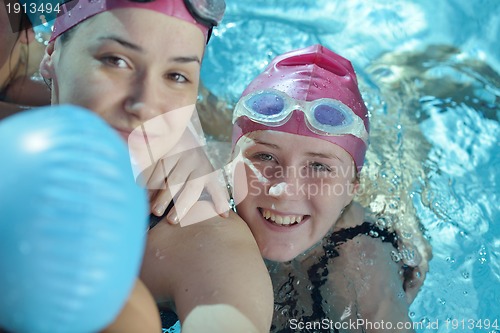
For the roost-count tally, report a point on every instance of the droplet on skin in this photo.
(347, 312)
(159, 255)
(277, 189)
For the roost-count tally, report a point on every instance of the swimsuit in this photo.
(318, 272)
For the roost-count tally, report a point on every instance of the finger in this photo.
(156, 179)
(172, 175)
(237, 177)
(193, 163)
(168, 171)
(217, 189)
(161, 202)
(161, 172)
(143, 177)
(151, 196)
(156, 189)
(187, 198)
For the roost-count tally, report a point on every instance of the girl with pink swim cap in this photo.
(301, 130)
(132, 61)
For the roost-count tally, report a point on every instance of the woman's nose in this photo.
(145, 99)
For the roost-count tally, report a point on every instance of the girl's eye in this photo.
(115, 62)
(320, 167)
(264, 157)
(177, 77)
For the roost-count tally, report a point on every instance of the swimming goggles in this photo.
(325, 116)
(206, 12)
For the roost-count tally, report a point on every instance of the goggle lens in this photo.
(329, 115)
(266, 104)
(207, 12)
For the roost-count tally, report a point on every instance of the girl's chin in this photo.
(279, 256)
(270, 249)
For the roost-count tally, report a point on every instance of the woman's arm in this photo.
(215, 262)
(8, 109)
(23, 94)
(28, 91)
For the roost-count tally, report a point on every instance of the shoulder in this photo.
(365, 278)
(353, 215)
(199, 246)
(367, 282)
(216, 261)
(354, 235)
(364, 251)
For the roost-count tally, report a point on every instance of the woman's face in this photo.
(136, 68)
(297, 187)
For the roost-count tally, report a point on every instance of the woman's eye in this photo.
(115, 62)
(177, 77)
(320, 167)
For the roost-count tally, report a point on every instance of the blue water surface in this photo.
(429, 74)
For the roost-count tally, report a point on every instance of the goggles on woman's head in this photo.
(206, 12)
(325, 116)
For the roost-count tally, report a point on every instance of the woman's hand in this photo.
(183, 175)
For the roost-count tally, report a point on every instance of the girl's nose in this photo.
(290, 188)
(278, 189)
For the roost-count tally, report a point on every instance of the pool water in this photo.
(429, 74)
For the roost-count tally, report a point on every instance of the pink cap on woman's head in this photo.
(309, 74)
(76, 11)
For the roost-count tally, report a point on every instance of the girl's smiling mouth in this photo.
(280, 219)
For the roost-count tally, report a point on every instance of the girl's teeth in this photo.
(281, 220)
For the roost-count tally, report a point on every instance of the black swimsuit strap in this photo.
(368, 229)
(372, 230)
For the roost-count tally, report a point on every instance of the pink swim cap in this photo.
(76, 11)
(309, 74)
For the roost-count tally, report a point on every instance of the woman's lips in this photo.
(137, 134)
(123, 133)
